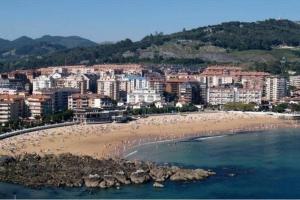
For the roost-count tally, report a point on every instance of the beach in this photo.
(114, 139)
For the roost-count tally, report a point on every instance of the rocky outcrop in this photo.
(190, 175)
(160, 174)
(77, 171)
(139, 176)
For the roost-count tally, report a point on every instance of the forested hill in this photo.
(25, 46)
(261, 44)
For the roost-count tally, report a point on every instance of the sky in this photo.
(114, 20)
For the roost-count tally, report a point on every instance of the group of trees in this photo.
(237, 106)
(280, 108)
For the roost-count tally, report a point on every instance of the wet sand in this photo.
(112, 140)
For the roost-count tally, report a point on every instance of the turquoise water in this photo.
(265, 164)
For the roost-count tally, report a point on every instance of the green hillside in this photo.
(253, 45)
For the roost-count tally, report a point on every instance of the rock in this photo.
(102, 184)
(174, 169)
(158, 185)
(74, 171)
(122, 179)
(139, 176)
(92, 180)
(159, 174)
(190, 175)
(110, 181)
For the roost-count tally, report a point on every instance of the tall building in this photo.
(276, 88)
(185, 93)
(59, 96)
(39, 105)
(11, 107)
(109, 86)
(8, 111)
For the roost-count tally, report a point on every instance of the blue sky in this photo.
(113, 20)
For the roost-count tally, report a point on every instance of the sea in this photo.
(250, 165)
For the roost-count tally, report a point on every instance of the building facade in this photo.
(143, 96)
(276, 88)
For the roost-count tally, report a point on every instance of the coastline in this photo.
(115, 140)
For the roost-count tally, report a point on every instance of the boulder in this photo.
(110, 181)
(139, 176)
(102, 184)
(159, 174)
(92, 180)
(121, 177)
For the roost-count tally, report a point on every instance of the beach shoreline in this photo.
(115, 140)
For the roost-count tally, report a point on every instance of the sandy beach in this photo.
(112, 140)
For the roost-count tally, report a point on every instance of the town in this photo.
(112, 92)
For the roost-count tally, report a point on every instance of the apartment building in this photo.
(276, 88)
(82, 101)
(79, 81)
(42, 82)
(11, 107)
(143, 96)
(8, 111)
(185, 93)
(222, 95)
(39, 105)
(109, 86)
(59, 96)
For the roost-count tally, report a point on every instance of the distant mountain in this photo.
(255, 45)
(68, 42)
(26, 46)
(3, 42)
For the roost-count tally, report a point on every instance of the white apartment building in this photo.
(248, 95)
(295, 81)
(42, 82)
(137, 83)
(143, 95)
(223, 95)
(276, 88)
(220, 95)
